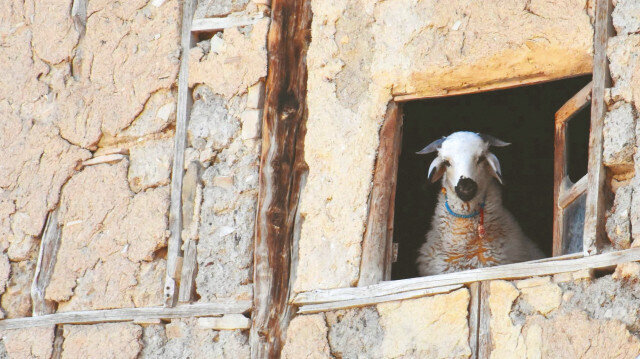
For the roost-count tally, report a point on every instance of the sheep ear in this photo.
(432, 147)
(492, 141)
(495, 166)
(436, 170)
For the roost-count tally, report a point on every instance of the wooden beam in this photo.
(474, 317)
(501, 84)
(282, 168)
(191, 203)
(594, 233)
(182, 118)
(44, 268)
(112, 158)
(219, 23)
(377, 248)
(508, 271)
(484, 329)
(130, 314)
(372, 300)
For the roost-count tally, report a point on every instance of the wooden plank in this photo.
(220, 23)
(575, 104)
(282, 169)
(508, 271)
(484, 326)
(129, 314)
(474, 317)
(44, 268)
(501, 84)
(182, 118)
(568, 195)
(558, 258)
(377, 243)
(594, 234)
(191, 203)
(367, 301)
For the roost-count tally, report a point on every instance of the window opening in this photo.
(523, 116)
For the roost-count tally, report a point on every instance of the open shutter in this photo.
(569, 197)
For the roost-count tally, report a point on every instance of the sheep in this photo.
(470, 227)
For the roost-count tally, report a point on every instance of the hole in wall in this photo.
(523, 116)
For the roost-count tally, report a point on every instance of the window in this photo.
(523, 116)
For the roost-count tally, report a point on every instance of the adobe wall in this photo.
(80, 82)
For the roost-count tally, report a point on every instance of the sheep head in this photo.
(465, 163)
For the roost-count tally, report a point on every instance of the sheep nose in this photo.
(466, 189)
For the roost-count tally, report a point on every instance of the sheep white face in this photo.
(464, 163)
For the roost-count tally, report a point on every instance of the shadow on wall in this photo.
(523, 116)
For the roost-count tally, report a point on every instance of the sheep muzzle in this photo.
(466, 189)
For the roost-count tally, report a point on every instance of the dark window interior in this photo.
(523, 116)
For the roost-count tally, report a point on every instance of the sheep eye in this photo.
(480, 159)
(446, 163)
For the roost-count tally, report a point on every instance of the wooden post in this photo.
(44, 268)
(282, 169)
(377, 247)
(594, 234)
(484, 323)
(174, 251)
(474, 317)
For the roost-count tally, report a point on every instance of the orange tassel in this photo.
(481, 231)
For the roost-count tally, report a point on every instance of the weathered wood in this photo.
(594, 234)
(558, 258)
(484, 330)
(508, 271)
(191, 203)
(44, 267)
(58, 340)
(182, 119)
(502, 84)
(226, 322)
(112, 158)
(568, 195)
(474, 317)
(367, 301)
(219, 23)
(377, 247)
(561, 181)
(282, 168)
(130, 314)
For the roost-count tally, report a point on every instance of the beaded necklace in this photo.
(481, 230)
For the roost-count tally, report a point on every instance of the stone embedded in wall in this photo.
(111, 340)
(355, 333)
(16, 300)
(624, 63)
(542, 294)
(602, 314)
(619, 141)
(33, 343)
(103, 244)
(150, 164)
(626, 17)
(230, 178)
(307, 338)
(428, 327)
(363, 53)
(240, 62)
(214, 122)
(618, 223)
(182, 338)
